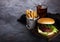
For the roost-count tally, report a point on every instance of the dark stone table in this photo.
(13, 31)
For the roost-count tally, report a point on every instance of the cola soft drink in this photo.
(41, 10)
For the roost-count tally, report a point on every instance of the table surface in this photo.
(12, 30)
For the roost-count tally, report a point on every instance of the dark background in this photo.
(11, 10)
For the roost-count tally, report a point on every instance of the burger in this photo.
(46, 27)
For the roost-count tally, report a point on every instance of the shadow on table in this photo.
(22, 19)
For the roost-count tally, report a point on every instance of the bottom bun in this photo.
(46, 33)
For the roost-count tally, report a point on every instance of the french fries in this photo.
(31, 14)
(35, 14)
(27, 13)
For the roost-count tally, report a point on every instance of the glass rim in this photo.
(42, 6)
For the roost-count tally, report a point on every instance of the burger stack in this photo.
(46, 27)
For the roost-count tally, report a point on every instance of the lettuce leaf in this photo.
(52, 27)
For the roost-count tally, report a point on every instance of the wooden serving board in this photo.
(57, 23)
(44, 37)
